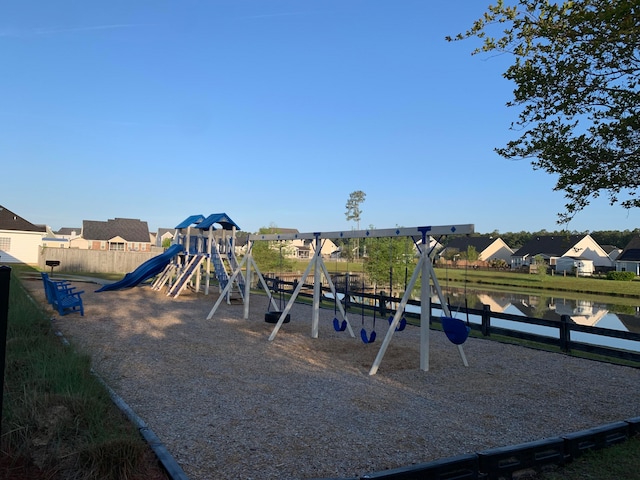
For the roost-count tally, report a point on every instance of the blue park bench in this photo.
(62, 296)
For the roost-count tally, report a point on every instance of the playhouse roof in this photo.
(219, 218)
(203, 223)
(193, 219)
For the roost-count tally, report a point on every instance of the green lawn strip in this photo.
(555, 283)
(56, 414)
(612, 463)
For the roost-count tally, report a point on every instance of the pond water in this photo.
(549, 307)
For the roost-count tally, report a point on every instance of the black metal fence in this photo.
(560, 331)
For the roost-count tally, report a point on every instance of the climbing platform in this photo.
(185, 276)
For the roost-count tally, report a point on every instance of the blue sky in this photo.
(272, 111)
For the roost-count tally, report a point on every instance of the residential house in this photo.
(303, 248)
(62, 238)
(580, 266)
(433, 247)
(55, 242)
(121, 234)
(68, 233)
(164, 234)
(613, 251)
(489, 248)
(241, 242)
(629, 259)
(20, 240)
(552, 247)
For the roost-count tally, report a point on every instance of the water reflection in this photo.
(550, 307)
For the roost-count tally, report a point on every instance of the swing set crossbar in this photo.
(371, 233)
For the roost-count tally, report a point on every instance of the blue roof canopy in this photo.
(219, 218)
(190, 221)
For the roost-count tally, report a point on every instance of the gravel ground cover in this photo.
(227, 403)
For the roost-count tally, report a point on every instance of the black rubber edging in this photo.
(171, 467)
(167, 461)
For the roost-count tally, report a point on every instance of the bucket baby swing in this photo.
(456, 330)
(272, 314)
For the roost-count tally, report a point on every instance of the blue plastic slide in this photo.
(148, 269)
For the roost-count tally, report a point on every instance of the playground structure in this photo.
(206, 250)
(421, 237)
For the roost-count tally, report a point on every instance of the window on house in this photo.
(5, 244)
(117, 246)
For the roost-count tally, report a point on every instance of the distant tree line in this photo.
(515, 240)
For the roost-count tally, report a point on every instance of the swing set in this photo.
(421, 237)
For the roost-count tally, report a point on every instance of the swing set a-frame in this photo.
(423, 270)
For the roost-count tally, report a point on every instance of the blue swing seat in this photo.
(339, 327)
(402, 324)
(456, 330)
(367, 338)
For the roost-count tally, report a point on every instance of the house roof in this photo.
(462, 243)
(242, 238)
(11, 221)
(631, 252)
(163, 231)
(610, 248)
(130, 229)
(68, 230)
(551, 245)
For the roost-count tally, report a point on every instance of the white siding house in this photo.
(575, 266)
(629, 259)
(20, 240)
(553, 247)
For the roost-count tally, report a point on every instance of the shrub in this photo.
(623, 276)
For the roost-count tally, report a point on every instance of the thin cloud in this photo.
(284, 14)
(67, 121)
(9, 32)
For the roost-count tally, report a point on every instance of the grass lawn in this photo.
(555, 283)
(58, 421)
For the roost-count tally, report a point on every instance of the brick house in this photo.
(120, 234)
